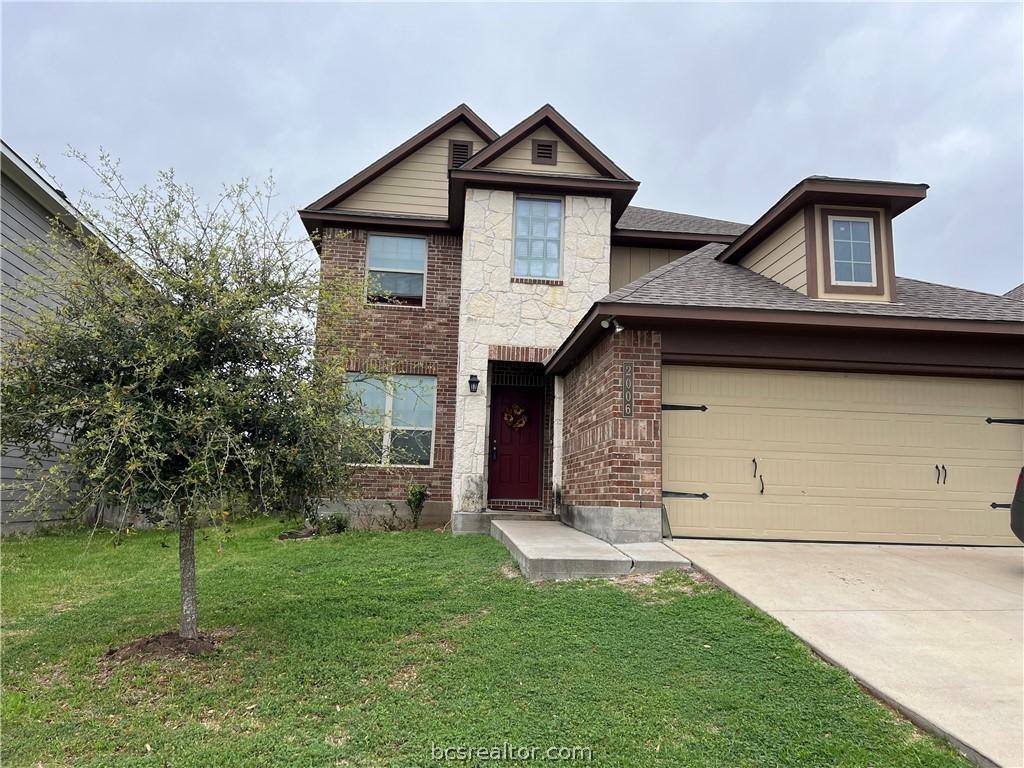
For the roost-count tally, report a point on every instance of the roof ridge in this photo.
(692, 215)
(955, 287)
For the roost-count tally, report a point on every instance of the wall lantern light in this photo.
(474, 382)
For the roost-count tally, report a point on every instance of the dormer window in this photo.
(545, 152)
(852, 249)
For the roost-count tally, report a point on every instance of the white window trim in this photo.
(366, 281)
(387, 428)
(561, 237)
(832, 255)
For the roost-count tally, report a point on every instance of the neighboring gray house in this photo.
(28, 206)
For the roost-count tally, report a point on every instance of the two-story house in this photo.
(641, 372)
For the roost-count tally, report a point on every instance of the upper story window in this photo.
(538, 237)
(397, 269)
(400, 414)
(852, 245)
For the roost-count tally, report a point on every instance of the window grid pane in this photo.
(538, 238)
(851, 250)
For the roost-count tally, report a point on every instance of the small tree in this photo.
(178, 364)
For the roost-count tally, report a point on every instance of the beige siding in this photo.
(844, 457)
(783, 256)
(519, 157)
(418, 185)
(629, 263)
(823, 265)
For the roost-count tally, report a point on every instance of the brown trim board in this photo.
(620, 191)
(403, 150)
(652, 239)
(894, 197)
(660, 317)
(314, 220)
(938, 354)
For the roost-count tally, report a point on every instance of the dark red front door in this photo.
(514, 467)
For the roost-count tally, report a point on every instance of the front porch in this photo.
(551, 550)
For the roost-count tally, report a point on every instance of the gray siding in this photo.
(22, 221)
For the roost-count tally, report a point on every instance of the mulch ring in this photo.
(169, 645)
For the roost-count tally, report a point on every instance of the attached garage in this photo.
(825, 456)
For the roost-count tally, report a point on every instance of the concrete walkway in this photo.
(550, 550)
(938, 632)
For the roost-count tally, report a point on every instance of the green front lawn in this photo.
(366, 649)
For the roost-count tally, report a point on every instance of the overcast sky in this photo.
(717, 109)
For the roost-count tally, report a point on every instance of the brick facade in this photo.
(403, 339)
(610, 459)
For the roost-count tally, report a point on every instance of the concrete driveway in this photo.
(938, 632)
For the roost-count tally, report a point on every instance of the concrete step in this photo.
(551, 550)
(480, 522)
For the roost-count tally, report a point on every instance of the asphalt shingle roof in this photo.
(1016, 293)
(651, 220)
(698, 280)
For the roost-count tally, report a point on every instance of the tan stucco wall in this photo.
(495, 310)
(630, 263)
(783, 256)
(418, 185)
(518, 157)
(822, 251)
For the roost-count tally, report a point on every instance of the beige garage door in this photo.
(839, 457)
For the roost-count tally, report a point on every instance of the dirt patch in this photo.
(403, 678)
(168, 645)
(656, 589)
(510, 571)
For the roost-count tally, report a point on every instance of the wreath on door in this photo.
(515, 417)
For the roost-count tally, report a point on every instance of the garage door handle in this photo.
(761, 478)
(943, 474)
(755, 467)
(938, 474)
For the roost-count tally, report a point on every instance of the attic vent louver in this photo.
(459, 152)
(545, 152)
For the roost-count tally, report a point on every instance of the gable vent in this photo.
(459, 152)
(545, 152)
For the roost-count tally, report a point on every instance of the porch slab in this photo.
(551, 550)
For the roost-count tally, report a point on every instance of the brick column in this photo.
(611, 464)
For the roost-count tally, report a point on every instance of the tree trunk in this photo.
(189, 629)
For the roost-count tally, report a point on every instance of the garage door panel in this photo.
(844, 457)
(839, 430)
(795, 519)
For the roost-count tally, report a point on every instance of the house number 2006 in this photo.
(627, 390)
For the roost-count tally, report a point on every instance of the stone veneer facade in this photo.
(497, 310)
(611, 462)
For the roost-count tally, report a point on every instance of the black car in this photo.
(1017, 508)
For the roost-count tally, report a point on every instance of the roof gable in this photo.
(461, 114)
(548, 117)
(519, 157)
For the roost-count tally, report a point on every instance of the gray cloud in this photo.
(717, 109)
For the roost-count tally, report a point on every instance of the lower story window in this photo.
(399, 414)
